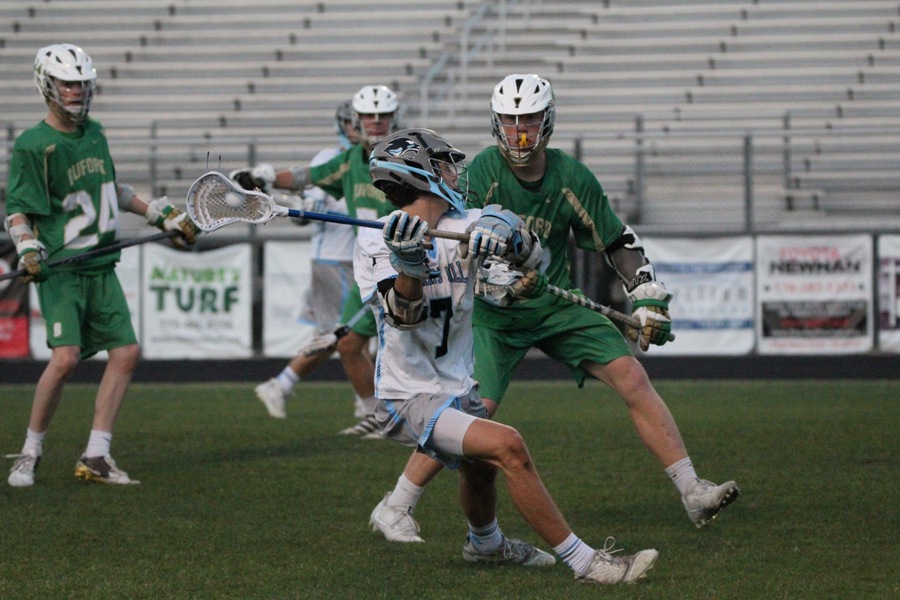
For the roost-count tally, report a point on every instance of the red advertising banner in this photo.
(13, 307)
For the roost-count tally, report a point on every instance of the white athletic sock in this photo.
(405, 494)
(682, 474)
(369, 404)
(288, 379)
(359, 411)
(98, 443)
(575, 553)
(34, 442)
(486, 539)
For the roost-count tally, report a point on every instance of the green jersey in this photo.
(569, 199)
(347, 176)
(65, 184)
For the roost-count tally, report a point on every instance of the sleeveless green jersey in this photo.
(65, 183)
(569, 199)
(347, 175)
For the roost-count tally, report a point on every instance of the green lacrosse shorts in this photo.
(569, 334)
(366, 326)
(86, 310)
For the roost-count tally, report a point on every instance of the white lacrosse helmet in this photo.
(374, 100)
(519, 95)
(65, 62)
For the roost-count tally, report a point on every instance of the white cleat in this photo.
(395, 523)
(272, 395)
(607, 569)
(22, 472)
(704, 501)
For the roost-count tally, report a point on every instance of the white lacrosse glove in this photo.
(650, 305)
(404, 234)
(491, 234)
(32, 255)
(260, 177)
(161, 214)
(500, 232)
(325, 342)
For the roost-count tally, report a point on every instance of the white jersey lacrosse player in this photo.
(427, 398)
(332, 256)
(331, 276)
(426, 358)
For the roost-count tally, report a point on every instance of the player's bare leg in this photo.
(657, 430)
(353, 350)
(499, 446)
(116, 379)
(47, 393)
(651, 417)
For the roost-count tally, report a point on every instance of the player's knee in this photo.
(64, 360)
(514, 453)
(126, 357)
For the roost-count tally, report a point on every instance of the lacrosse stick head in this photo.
(214, 201)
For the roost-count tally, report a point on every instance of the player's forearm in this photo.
(410, 288)
(295, 178)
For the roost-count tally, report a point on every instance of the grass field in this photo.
(234, 504)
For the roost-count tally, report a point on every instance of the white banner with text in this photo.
(197, 304)
(286, 277)
(814, 294)
(711, 281)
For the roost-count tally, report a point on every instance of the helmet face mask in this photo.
(420, 160)
(56, 68)
(374, 110)
(522, 116)
(344, 127)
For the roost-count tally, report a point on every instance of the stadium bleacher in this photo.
(661, 98)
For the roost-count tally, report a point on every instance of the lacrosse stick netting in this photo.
(215, 201)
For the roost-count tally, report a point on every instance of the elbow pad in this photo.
(402, 313)
(300, 175)
(124, 195)
(17, 232)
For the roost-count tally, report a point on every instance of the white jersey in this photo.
(331, 242)
(438, 355)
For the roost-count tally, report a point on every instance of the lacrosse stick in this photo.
(610, 313)
(214, 201)
(328, 342)
(96, 252)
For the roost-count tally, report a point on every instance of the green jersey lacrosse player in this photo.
(64, 201)
(374, 111)
(557, 196)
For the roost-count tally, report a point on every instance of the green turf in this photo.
(234, 504)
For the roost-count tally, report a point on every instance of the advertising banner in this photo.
(711, 281)
(814, 294)
(286, 277)
(197, 304)
(13, 306)
(889, 293)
